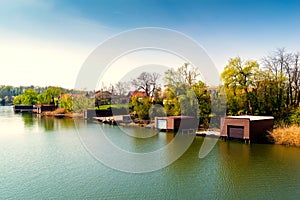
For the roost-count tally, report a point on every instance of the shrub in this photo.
(295, 117)
(286, 136)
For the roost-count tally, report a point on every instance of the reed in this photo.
(286, 135)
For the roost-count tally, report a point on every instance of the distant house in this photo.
(102, 97)
(140, 94)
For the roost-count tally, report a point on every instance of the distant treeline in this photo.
(7, 92)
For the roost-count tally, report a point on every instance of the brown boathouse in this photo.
(246, 127)
(175, 123)
(23, 108)
(40, 108)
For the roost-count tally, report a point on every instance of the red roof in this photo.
(137, 93)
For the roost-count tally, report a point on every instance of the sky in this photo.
(46, 42)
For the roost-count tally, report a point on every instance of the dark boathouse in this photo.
(176, 123)
(23, 108)
(248, 128)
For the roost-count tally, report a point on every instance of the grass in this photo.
(116, 106)
(286, 135)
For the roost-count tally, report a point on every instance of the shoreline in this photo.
(288, 135)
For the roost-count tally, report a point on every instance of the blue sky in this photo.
(58, 35)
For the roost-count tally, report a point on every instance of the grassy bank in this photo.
(286, 136)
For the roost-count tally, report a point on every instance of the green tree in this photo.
(29, 97)
(157, 110)
(295, 117)
(186, 95)
(141, 106)
(79, 104)
(171, 103)
(6, 94)
(49, 95)
(66, 102)
(18, 100)
(203, 101)
(181, 79)
(239, 80)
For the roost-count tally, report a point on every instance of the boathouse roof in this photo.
(251, 118)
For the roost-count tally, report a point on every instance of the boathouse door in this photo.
(235, 132)
(162, 124)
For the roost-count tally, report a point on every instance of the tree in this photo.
(141, 106)
(203, 102)
(121, 88)
(171, 103)
(49, 95)
(182, 78)
(28, 98)
(147, 82)
(296, 79)
(82, 103)
(239, 82)
(6, 94)
(266, 90)
(18, 100)
(279, 63)
(66, 102)
(186, 95)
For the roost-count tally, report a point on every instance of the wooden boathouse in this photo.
(44, 107)
(248, 128)
(171, 123)
(23, 108)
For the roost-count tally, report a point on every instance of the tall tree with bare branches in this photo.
(147, 82)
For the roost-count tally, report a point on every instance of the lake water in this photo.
(42, 158)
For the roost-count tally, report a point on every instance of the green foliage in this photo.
(157, 110)
(28, 98)
(171, 103)
(188, 103)
(203, 101)
(113, 106)
(82, 103)
(18, 100)
(185, 95)
(275, 90)
(239, 78)
(44, 98)
(181, 79)
(48, 96)
(6, 94)
(66, 102)
(267, 93)
(141, 106)
(295, 117)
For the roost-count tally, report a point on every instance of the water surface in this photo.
(44, 158)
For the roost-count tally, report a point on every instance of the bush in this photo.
(295, 117)
(141, 106)
(286, 136)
